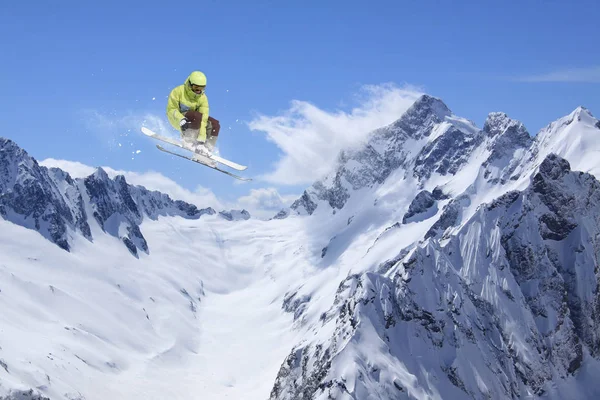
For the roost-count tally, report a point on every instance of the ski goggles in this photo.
(197, 88)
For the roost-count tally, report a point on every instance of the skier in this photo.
(188, 112)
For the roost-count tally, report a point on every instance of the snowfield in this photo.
(197, 315)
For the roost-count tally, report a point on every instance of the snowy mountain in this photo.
(510, 293)
(54, 204)
(439, 260)
(513, 295)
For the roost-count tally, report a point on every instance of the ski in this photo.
(177, 143)
(198, 159)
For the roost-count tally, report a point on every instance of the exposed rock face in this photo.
(508, 133)
(283, 214)
(235, 215)
(450, 216)
(24, 395)
(505, 138)
(420, 204)
(446, 154)
(558, 269)
(30, 195)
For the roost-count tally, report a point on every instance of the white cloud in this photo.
(585, 75)
(201, 197)
(74, 168)
(311, 138)
(264, 203)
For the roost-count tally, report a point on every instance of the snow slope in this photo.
(195, 316)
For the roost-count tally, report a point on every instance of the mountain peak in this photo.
(583, 114)
(422, 115)
(508, 133)
(580, 114)
(100, 174)
(561, 130)
(7, 143)
(429, 105)
(497, 123)
(582, 110)
(10, 146)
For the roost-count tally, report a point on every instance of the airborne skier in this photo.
(188, 112)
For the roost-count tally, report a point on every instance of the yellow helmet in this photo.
(197, 78)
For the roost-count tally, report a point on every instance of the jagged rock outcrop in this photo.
(282, 214)
(422, 202)
(509, 134)
(446, 154)
(506, 137)
(557, 265)
(438, 194)
(25, 395)
(304, 204)
(30, 196)
(235, 215)
(450, 216)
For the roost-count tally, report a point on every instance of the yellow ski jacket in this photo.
(181, 100)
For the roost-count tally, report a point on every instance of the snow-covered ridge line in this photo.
(429, 143)
(51, 202)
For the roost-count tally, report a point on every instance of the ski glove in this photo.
(184, 124)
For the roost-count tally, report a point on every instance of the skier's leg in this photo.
(190, 135)
(212, 133)
(209, 135)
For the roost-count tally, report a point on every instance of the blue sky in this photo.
(77, 80)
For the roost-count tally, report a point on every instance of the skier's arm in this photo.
(204, 110)
(173, 113)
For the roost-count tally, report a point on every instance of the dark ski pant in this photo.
(212, 129)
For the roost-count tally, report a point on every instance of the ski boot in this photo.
(203, 154)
